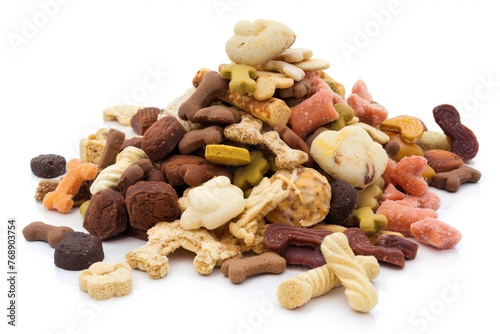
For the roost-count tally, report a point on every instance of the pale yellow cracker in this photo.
(166, 237)
(103, 280)
(263, 198)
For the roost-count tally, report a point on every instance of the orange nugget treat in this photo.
(436, 233)
(264, 146)
(61, 199)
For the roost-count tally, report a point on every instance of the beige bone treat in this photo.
(297, 291)
(291, 70)
(255, 42)
(39, 231)
(239, 269)
(257, 246)
(267, 83)
(360, 292)
(294, 55)
(166, 237)
(91, 148)
(286, 157)
(103, 280)
(247, 131)
(122, 113)
(263, 198)
(110, 176)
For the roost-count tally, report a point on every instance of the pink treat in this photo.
(400, 217)
(435, 233)
(392, 193)
(315, 111)
(428, 200)
(407, 173)
(364, 108)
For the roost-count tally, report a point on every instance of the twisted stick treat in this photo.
(296, 291)
(360, 292)
(110, 176)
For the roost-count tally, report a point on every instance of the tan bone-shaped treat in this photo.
(286, 157)
(166, 237)
(247, 131)
(121, 113)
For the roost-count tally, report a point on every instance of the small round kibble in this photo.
(48, 166)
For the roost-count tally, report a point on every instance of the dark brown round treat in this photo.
(106, 215)
(343, 202)
(151, 202)
(78, 251)
(162, 137)
(48, 166)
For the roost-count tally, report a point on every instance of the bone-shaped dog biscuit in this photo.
(103, 280)
(166, 237)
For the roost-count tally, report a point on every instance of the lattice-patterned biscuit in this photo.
(103, 280)
(166, 237)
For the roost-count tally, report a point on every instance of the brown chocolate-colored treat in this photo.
(48, 165)
(162, 138)
(408, 247)
(277, 236)
(150, 202)
(191, 170)
(156, 174)
(303, 256)
(39, 231)
(143, 119)
(199, 138)
(106, 216)
(217, 115)
(78, 251)
(343, 202)
(46, 186)
(113, 145)
(134, 141)
(361, 245)
(136, 233)
(133, 174)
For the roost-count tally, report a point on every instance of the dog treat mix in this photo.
(265, 162)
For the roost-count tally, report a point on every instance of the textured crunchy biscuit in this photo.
(263, 198)
(166, 237)
(122, 113)
(103, 280)
(296, 291)
(360, 292)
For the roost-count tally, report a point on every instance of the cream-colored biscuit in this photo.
(166, 237)
(263, 198)
(212, 204)
(360, 292)
(294, 55)
(109, 176)
(255, 42)
(286, 157)
(297, 291)
(122, 113)
(104, 280)
(267, 83)
(350, 155)
(247, 131)
(308, 200)
(291, 70)
(91, 148)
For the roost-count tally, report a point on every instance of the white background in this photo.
(63, 62)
